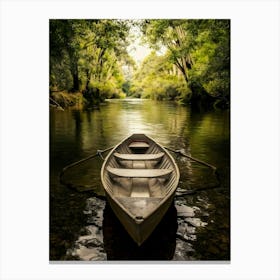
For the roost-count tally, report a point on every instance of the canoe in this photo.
(139, 178)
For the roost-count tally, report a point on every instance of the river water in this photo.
(82, 225)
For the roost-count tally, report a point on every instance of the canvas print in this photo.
(139, 116)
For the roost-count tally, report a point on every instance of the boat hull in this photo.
(139, 232)
(140, 179)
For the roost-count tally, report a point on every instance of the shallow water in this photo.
(82, 225)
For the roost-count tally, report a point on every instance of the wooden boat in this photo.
(140, 178)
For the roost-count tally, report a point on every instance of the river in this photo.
(82, 225)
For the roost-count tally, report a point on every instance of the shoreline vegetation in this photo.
(64, 99)
(189, 62)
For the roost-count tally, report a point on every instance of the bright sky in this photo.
(137, 49)
(139, 52)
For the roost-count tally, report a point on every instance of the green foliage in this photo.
(200, 50)
(87, 55)
(60, 74)
(211, 56)
(156, 79)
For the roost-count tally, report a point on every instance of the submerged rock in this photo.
(89, 246)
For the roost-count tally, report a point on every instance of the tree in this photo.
(91, 52)
(212, 58)
(64, 47)
(104, 48)
(156, 79)
(171, 34)
(200, 51)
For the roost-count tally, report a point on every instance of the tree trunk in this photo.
(88, 74)
(92, 95)
(75, 76)
(200, 98)
(75, 82)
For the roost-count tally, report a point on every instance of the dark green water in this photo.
(83, 227)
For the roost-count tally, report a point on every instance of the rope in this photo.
(98, 153)
(180, 152)
(214, 168)
(194, 191)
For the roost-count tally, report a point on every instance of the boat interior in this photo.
(139, 168)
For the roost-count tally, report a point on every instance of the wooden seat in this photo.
(139, 156)
(138, 173)
(140, 188)
(139, 145)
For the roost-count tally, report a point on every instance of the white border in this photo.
(255, 138)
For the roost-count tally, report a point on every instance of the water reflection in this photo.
(89, 245)
(159, 246)
(203, 229)
(104, 238)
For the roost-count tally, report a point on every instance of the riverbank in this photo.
(66, 99)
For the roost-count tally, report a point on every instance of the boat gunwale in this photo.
(167, 195)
